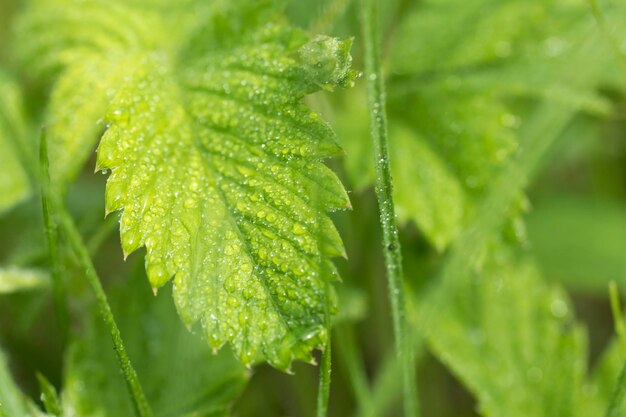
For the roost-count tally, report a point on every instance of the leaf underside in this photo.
(214, 160)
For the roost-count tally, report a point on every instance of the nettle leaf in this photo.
(215, 161)
(14, 183)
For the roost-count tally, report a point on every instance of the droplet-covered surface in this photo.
(215, 163)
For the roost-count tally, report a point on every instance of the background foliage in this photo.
(506, 142)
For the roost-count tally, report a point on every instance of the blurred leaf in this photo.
(512, 340)
(580, 241)
(14, 279)
(460, 78)
(14, 183)
(180, 374)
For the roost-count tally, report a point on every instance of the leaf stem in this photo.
(68, 227)
(391, 242)
(323, 393)
(52, 237)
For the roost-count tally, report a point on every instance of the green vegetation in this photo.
(312, 208)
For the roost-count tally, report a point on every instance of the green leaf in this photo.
(14, 279)
(14, 183)
(512, 340)
(49, 396)
(179, 372)
(214, 159)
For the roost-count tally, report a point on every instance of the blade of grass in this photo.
(60, 214)
(49, 396)
(353, 363)
(616, 310)
(391, 242)
(613, 408)
(52, 237)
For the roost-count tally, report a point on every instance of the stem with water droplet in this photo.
(58, 213)
(391, 243)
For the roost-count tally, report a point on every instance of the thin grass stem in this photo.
(391, 242)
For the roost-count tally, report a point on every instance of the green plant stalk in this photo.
(52, 237)
(323, 391)
(324, 382)
(66, 223)
(391, 242)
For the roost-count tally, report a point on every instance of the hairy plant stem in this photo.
(391, 242)
(52, 237)
(59, 214)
